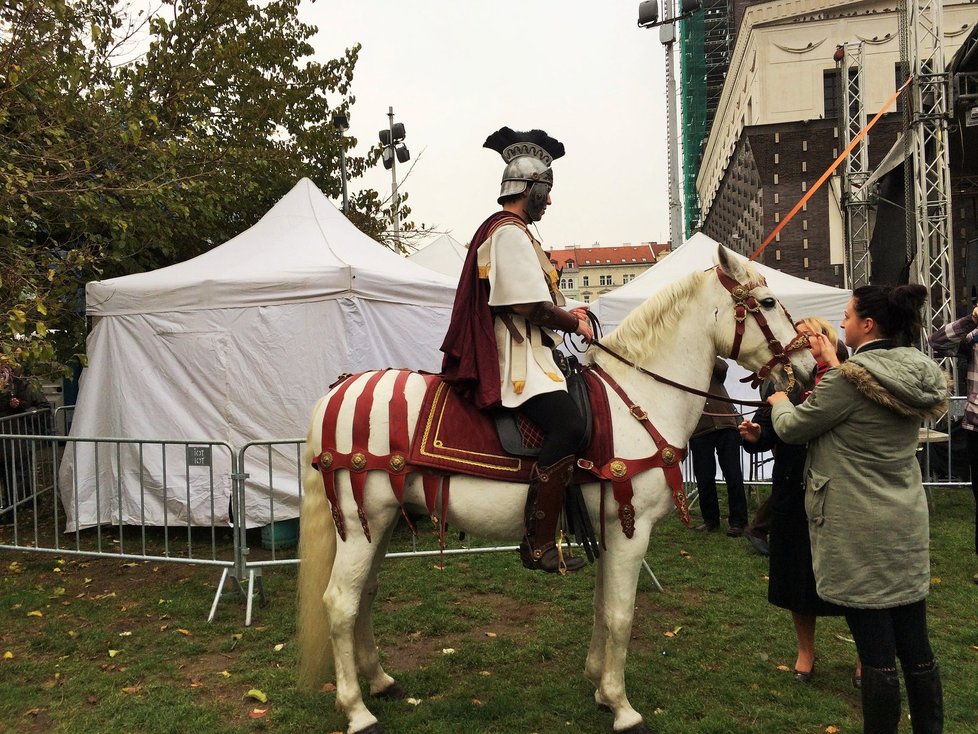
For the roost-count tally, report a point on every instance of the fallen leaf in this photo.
(59, 591)
(477, 702)
(8, 655)
(414, 701)
(257, 713)
(485, 673)
(669, 633)
(448, 651)
(113, 653)
(130, 565)
(196, 684)
(278, 647)
(15, 567)
(257, 695)
(184, 632)
(132, 689)
(490, 634)
(125, 634)
(685, 554)
(936, 580)
(785, 668)
(830, 729)
(224, 674)
(328, 687)
(56, 569)
(35, 613)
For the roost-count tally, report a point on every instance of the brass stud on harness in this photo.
(358, 461)
(397, 462)
(669, 455)
(325, 460)
(618, 468)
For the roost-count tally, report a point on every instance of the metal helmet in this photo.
(528, 156)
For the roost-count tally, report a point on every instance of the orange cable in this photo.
(828, 172)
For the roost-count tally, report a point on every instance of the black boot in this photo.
(881, 701)
(544, 501)
(925, 700)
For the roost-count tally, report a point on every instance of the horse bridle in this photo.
(744, 303)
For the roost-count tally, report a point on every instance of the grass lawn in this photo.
(114, 646)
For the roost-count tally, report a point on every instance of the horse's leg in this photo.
(620, 569)
(596, 651)
(368, 658)
(344, 597)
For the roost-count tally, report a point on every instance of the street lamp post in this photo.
(648, 17)
(394, 152)
(342, 124)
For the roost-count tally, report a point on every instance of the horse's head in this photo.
(757, 330)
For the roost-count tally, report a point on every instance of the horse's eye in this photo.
(768, 302)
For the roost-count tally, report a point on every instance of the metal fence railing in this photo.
(192, 502)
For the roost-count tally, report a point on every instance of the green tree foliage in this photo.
(131, 140)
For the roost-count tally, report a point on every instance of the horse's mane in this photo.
(642, 330)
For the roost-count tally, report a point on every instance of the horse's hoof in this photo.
(374, 728)
(393, 692)
(639, 728)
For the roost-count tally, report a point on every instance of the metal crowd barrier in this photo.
(151, 524)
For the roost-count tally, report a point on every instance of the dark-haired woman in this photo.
(866, 507)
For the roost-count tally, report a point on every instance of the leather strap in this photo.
(324, 462)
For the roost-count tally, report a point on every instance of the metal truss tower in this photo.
(929, 190)
(857, 171)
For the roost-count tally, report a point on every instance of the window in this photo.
(605, 280)
(585, 281)
(627, 278)
(587, 299)
(569, 265)
(830, 93)
(566, 284)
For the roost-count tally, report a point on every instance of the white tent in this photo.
(801, 297)
(237, 345)
(444, 255)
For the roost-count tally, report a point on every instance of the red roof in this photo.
(619, 255)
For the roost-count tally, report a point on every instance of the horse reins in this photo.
(744, 303)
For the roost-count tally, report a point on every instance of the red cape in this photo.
(471, 361)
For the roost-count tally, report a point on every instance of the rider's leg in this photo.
(558, 417)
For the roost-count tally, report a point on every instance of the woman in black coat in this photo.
(791, 583)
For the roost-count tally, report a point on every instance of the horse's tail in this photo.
(317, 551)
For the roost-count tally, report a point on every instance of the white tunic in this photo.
(516, 277)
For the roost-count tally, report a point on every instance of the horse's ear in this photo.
(731, 265)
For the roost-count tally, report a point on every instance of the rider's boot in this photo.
(544, 501)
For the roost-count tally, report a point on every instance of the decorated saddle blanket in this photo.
(453, 435)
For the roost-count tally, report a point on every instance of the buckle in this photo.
(637, 412)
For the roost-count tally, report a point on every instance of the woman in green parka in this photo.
(867, 511)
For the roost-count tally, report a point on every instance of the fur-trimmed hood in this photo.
(901, 379)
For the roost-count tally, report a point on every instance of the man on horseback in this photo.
(498, 350)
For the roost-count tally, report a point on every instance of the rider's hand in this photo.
(777, 398)
(580, 312)
(584, 329)
(749, 432)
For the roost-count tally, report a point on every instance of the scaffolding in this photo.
(705, 45)
(858, 268)
(929, 184)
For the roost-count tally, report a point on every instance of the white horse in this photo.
(677, 333)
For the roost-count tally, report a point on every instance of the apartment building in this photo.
(589, 272)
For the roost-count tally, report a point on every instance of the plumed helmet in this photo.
(528, 156)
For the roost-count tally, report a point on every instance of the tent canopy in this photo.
(237, 345)
(444, 255)
(802, 298)
(302, 250)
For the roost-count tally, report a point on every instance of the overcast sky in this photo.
(456, 70)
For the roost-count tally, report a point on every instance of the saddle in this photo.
(453, 435)
(521, 437)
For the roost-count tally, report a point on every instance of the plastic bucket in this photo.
(280, 534)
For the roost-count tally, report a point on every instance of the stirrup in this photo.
(549, 559)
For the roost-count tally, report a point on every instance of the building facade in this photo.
(589, 272)
(776, 128)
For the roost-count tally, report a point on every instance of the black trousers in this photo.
(973, 455)
(562, 424)
(726, 445)
(883, 635)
